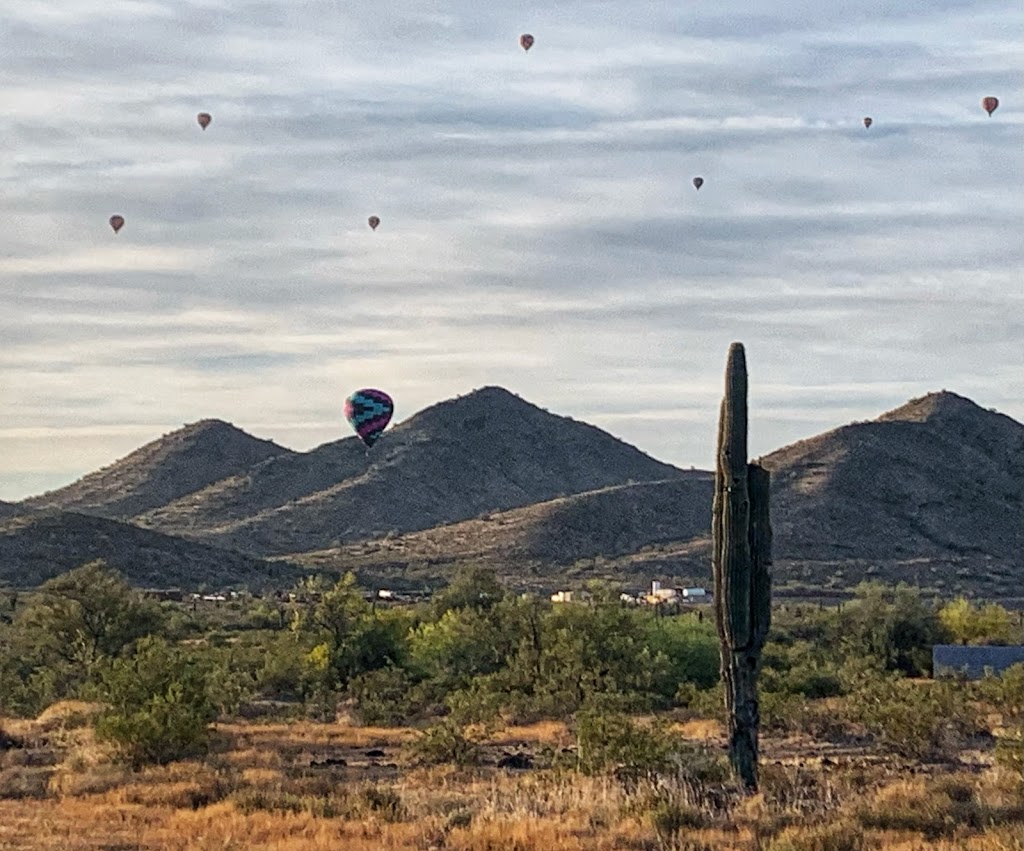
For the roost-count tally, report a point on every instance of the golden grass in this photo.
(262, 788)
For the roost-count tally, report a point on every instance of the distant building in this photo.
(695, 593)
(660, 595)
(385, 594)
(972, 661)
(570, 597)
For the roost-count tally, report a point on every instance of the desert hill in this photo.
(934, 485)
(161, 471)
(938, 478)
(40, 545)
(547, 536)
(484, 452)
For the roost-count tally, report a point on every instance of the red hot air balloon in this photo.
(204, 119)
(867, 121)
(526, 41)
(990, 104)
(374, 221)
(117, 222)
(698, 182)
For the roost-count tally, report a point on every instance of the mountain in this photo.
(40, 545)
(939, 479)
(484, 452)
(930, 492)
(164, 470)
(546, 537)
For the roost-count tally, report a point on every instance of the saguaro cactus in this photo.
(741, 559)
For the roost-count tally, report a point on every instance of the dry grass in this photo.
(313, 786)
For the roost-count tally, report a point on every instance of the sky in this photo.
(539, 229)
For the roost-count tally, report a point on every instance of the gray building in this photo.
(951, 659)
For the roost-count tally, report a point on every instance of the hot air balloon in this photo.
(374, 221)
(990, 104)
(698, 182)
(369, 412)
(867, 121)
(117, 222)
(526, 41)
(204, 119)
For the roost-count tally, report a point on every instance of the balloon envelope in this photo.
(374, 221)
(117, 222)
(204, 119)
(698, 182)
(867, 122)
(526, 41)
(369, 412)
(990, 104)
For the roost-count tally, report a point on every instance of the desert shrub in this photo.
(446, 742)
(383, 696)
(917, 719)
(702, 702)
(610, 740)
(25, 781)
(159, 704)
(382, 802)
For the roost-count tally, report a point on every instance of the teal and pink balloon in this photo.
(369, 412)
(117, 222)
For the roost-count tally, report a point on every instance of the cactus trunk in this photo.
(741, 560)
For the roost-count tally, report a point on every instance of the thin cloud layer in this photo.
(539, 227)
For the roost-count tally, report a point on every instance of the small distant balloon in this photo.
(990, 104)
(698, 182)
(204, 119)
(868, 122)
(117, 222)
(369, 412)
(526, 41)
(374, 221)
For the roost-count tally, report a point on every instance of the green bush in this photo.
(913, 718)
(382, 696)
(159, 704)
(446, 742)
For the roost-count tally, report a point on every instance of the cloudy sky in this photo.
(539, 227)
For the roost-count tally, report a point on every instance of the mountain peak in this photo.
(943, 404)
(165, 469)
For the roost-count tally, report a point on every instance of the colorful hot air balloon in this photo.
(204, 119)
(990, 104)
(867, 121)
(374, 221)
(117, 222)
(369, 412)
(698, 182)
(526, 41)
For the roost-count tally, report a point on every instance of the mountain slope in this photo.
(936, 478)
(40, 545)
(484, 452)
(163, 470)
(265, 486)
(9, 509)
(605, 523)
